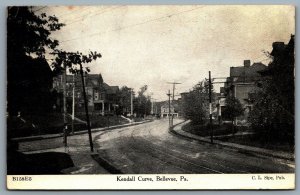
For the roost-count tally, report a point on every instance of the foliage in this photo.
(142, 103)
(29, 45)
(28, 33)
(196, 103)
(124, 96)
(72, 60)
(233, 108)
(27, 37)
(273, 104)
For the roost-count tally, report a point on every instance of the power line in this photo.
(97, 13)
(133, 25)
(72, 12)
(39, 9)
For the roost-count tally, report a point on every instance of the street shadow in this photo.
(40, 163)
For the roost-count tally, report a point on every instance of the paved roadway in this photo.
(150, 149)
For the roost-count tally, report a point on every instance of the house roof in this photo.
(247, 73)
(110, 89)
(92, 80)
(174, 104)
(166, 105)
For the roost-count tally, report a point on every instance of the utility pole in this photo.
(65, 133)
(173, 83)
(73, 104)
(210, 109)
(86, 109)
(131, 102)
(65, 94)
(169, 94)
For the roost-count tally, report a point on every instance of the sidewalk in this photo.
(244, 148)
(78, 150)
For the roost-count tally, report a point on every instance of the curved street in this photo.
(151, 149)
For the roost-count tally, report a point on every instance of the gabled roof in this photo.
(247, 73)
(89, 79)
(166, 105)
(114, 89)
(92, 80)
(110, 89)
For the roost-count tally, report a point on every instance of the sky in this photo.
(154, 45)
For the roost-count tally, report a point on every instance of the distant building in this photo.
(102, 98)
(242, 82)
(165, 109)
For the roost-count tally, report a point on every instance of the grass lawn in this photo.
(204, 130)
(98, 121)
(260, 142)
(53, 123)
(254, 140)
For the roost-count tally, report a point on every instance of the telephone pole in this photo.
(210, 109)
(65, 94)
(73, 104)
(65, 130)
(169, 94)
(131, 102)
(86, 109)
(173, 83)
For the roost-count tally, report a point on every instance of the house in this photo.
(165, 111)
(102, 98)
(242, 82)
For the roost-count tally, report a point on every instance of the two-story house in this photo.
(242, 82)
(102, 98)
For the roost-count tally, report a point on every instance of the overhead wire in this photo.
(88, 15)
(39, 9)
(133, 25)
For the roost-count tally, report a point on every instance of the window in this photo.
(96, 96)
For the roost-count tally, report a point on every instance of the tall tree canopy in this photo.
(29, 76)
(142, 103)
(125, 99)
(196, 105)
(274, 104)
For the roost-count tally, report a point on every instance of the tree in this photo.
(233, 108)
(273, 105)
(142, 103)
(124, 99)
(195, 105)
(28, 73)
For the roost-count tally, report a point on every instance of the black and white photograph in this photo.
(150, 97)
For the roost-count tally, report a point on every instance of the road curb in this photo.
(51, 136)
(105, 164)
(241, 148)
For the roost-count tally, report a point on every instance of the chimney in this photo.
(247, 63)
(278, 45)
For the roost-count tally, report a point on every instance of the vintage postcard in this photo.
(161, 97)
